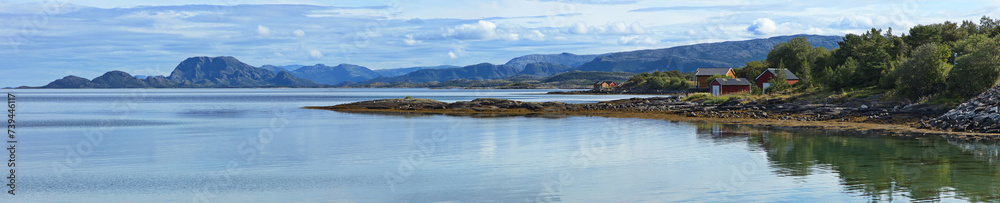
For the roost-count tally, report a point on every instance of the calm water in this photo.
(257, 145)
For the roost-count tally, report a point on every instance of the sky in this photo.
(41, 41)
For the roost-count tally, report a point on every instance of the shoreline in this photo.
(902, 124)
(592, 92)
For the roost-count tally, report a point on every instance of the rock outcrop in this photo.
(223, 71)
(980, 114)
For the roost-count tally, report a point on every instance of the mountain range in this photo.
(223, 71)
(227, 71)
(691, 57)
(567, 59)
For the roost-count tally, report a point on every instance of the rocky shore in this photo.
(897, 119)
(979, 114)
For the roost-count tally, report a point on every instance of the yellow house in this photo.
(704, 73)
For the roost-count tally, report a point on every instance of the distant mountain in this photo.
(691, 57)
(403, 71)
(277, 69)
(543, 69)
(225, 71)
(331, 75)
(285, 78)
(71, 81)
(117, 79)
(568, 59)
(589, 76)
(474, 72)
(111, 79)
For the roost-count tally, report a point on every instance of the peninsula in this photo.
(974, 120)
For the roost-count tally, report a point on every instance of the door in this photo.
(715, 90)
(765, 86)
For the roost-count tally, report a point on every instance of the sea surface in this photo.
(258, 145)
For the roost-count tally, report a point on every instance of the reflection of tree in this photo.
(983, 151)
(721, 133)
(885, 167)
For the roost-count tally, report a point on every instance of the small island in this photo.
(974, 120)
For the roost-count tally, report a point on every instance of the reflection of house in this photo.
(604, 84)
(704, 73)
(722, 86)
(764, 79)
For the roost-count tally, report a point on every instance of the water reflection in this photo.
(877, 168)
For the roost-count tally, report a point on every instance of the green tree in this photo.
(795, 54)
(751, 69)
(977, 66)
(822, 59)
(988, 26)
(670, 80)
(924, 34)
(923, 73)
(780, 80)
(843, 76)
(711, 78)
(873, 52)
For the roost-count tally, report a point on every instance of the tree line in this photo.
(943, 60)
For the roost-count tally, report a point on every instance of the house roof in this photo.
(609, 82)
(732, 81)
(712, 71)
(788, 74)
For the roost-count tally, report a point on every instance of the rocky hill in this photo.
(980, 114)
(393, 72)
(331, 75)
(567, 59)
(691, 57)
(224, 71)
(543, 69)
(474, 72)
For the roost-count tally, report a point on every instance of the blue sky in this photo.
(44, 41)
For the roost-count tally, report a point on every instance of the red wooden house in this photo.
(764, 79)
(721, 86)
(604, 84)
(704, 73)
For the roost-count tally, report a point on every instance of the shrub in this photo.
(977, 67)
(922, 74)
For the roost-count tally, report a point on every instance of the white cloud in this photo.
(264, 31)
(315, 54)
(535, 35)
(762, 26)
(161, 15)
(300, 33)
(486, 30)
(456, 52)
(482, 30)
(615, 28)
(410, 41)
(854, 22)
(619, 28)
(636, 40)
(509, 36)
(579, 28)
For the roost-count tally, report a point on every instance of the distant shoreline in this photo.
(592, 92)
(903, 124)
